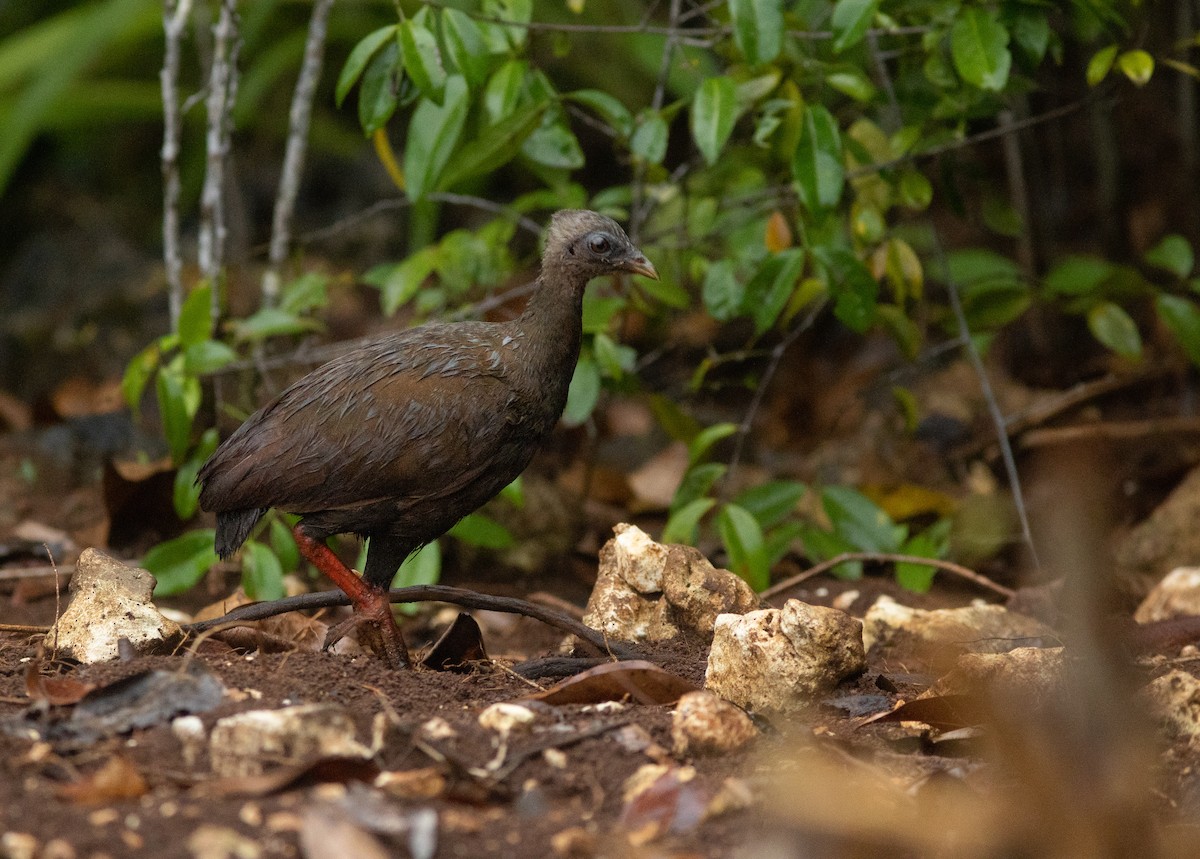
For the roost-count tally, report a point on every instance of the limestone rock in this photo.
(1175, 698)
(1177, 595)
(783, 659)
(246, 743)
(646, 591)
(110, 601)
(976, 628)
(705, 724)
(1167, 539)
(1027, 674)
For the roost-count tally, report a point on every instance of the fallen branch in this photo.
(888, 557)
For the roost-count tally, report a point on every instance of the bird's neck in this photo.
(551, 330)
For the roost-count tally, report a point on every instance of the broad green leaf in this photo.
(1113, 327)
(743, 539)
(853, 83)
(517, 11)
(433, 136)
(768, 291)
(1173, 254)
(422, 59)
(272, 322)
(476, 529)
(283, 544)
(503, 90)
(772, 502)
(823, 545)
(422, 567)
(1183, 318)
(310, 291)
(356, 63)
(714, 113)
(779, 540)
(495, 147)
(616, 360)
(553, 145)
(464, 42)
(137, 374)
(175, 409)
(703, 441)
(599, 310)
(860, 521)
(853, 288)
(608, 107)
(378, 93)
(195, 317)
(649, 140)
(1136, 65)
(399, 282)
(179, 564)
(757, 29)
(916, 192)
(262, 574)
(584, 392)
(207, 356)
(1030, 29)
(683, 525)
(1100, 64)
(817, 162)
(979, 48)
(930, 543)
(1077, 275)
(850, 21)
(696, 483)
(186, 493)
(721, 292)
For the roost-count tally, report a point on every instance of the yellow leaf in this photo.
(908, 501)
(387, 156)
(779, 234)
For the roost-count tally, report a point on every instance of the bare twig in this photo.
(175, 16)
(222, 84)
(1010, 463)
(887, 558)
(297, 144)
(44, 571)
(1110, 431)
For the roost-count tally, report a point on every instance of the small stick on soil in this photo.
(17, 627)
(888, 557)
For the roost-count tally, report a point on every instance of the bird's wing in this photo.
(406, 417)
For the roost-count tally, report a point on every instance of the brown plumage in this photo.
(399, 439)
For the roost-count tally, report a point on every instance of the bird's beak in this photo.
(640, 265)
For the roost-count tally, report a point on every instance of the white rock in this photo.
(1175, 698)
(980, 628)
(1177, 595)
(110, 601)
(245, 744)
(783, 659)
(504, 717)
(1027, 675)
(639, 560)
(705, 724)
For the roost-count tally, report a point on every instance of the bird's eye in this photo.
(598, 245)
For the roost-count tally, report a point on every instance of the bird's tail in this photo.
(233, 527)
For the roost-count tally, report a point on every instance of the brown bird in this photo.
(401, 438)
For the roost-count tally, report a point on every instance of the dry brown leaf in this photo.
(641, 681)
(117, 779)
(55, 691)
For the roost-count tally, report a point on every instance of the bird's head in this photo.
(590, 245)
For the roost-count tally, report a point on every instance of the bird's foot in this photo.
(372, 609)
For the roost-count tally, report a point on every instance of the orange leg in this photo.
(371, 603)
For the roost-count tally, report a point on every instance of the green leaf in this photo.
(979, 48)
(422, 567)
(422, 59)
(1113, 327)
(860, 521)
(615, 360)
(850, 21)
(503, 90)
(723, 295)
(358, 59)
(283, 544)
(743, 539)
(1173, 254)
(1077, 275)
(433, 135)
(823, 545)
(599, 310)
(930, 543)
(399, 282)
(584, 392)
(817, 161)
(768, 291)
(772, 502)
(137, 374)
(310, 291)
(272, 322)
(476, 529)
(195, 317)
(377, 97)
(495, 147)
(207, 356)
(757, 29)
(1100, 64)
(853, 83)
(853, 288)
(553, 145)
(683, 525)
(180, 563)
(516, 11)
(185, 493)
(175, 408)
(262, 574)
(607, 107)
(464, 41)
(703, 441)
(714, 113)
(1183, 318)
(1136, 65)
(696, 483)
(649, 140)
